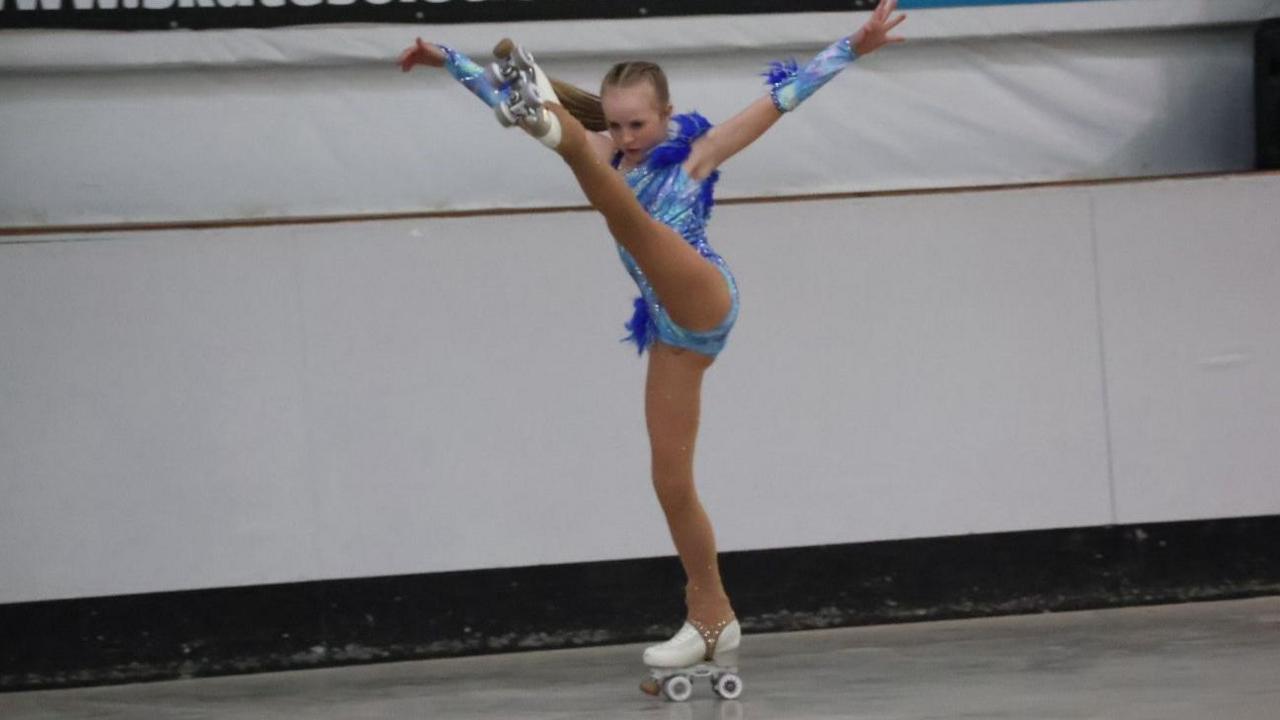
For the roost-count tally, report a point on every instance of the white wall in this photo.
(194, 409)
(1193, 347)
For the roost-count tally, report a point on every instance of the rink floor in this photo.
(1171, 662)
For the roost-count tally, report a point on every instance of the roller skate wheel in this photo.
(677, 688)
(504, 114)
(728, 686)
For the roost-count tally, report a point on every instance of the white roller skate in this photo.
(694, 652)
(528, 88)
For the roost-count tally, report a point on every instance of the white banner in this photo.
(319, 122)
(87, 51)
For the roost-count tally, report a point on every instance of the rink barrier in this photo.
(28, 234)
(225, 631)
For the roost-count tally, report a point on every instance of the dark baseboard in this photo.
(197, 633)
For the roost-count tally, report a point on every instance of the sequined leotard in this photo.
(683, 204)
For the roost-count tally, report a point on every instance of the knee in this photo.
(674, 490)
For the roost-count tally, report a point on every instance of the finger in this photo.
(895, 22)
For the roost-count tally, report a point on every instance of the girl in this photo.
(654, 188)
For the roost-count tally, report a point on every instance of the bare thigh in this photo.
(673, 398)
(692, 290)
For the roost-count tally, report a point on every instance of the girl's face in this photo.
(636, 122)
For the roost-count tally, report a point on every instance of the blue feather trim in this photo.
(781, 71)
(676, 149)
(708, 191)
(639, 327)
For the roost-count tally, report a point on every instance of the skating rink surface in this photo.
(1172, 662)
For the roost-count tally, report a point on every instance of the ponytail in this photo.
(587, 108)
(581, 104)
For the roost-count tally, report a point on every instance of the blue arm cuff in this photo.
(791, 85)
(466, 71)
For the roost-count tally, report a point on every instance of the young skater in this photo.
(651, 175)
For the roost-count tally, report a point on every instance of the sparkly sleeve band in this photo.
(790, 85)
(466, 71)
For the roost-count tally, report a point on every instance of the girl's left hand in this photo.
(421, 53)
(875, 34)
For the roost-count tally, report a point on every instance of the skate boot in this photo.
(696, 651)
(529, 89)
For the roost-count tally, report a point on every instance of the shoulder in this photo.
(685, 129)
(692, 130)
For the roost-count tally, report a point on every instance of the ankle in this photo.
(710, 609)
(571, 136)
(706, 593)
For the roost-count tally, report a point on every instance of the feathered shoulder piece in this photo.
(780, 71)
(675, 150)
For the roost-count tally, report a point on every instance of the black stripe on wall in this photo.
(198, 633)
(209, 14)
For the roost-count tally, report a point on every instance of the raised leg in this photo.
(692, 290)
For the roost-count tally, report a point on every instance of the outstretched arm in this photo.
(462, 68)
(471, 75)
(791, 87)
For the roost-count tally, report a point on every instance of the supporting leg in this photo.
(673, 390)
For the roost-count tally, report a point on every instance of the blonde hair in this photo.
(588, 108)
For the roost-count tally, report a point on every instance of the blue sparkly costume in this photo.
(683, 204)
(669, 195)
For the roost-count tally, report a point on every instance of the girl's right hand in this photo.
(421, 53)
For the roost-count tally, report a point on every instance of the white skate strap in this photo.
(552, 137)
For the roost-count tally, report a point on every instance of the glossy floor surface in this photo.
(1172, 662)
